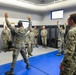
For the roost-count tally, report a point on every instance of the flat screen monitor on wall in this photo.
(58, 14)
(25, 24)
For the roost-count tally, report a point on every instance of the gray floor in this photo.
(6, 57)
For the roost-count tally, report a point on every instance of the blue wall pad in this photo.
(45, 64)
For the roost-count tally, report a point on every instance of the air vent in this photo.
(57, 0)
(42, 0)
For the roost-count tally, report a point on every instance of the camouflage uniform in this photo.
(13, 36)
(19, 44)
(30, 38)
(61, 33)
(36, 36)
(6, 36)
(44, 37)
(69, 61)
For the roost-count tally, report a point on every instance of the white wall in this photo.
(37, 18)
(16, 15)
(47, 21)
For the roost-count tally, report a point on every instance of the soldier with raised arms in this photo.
(19, 44)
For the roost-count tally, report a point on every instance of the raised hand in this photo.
(29, 17)
(6, 15)
(65, 24)
(57, 22)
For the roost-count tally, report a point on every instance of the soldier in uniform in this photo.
(68, 64)
(30, 40)
(44, 36)
(35, 30)
(6, 36)
(19, 44)
(61, 32)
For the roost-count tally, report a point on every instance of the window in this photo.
(57, 14)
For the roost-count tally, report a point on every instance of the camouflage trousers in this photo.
(5, 45)
(19, 49)
(36, 40)
(61, 45)
(71, 70)
(29, 48)
(44, 41)
(69, 67)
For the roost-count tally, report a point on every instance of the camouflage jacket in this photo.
(70, 54)
(19, 33)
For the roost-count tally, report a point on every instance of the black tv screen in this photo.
(57, 14)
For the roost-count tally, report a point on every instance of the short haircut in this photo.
(73, 17)
(20, 24)
(62, 27)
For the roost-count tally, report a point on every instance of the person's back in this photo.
(20, 35)
(19, 44)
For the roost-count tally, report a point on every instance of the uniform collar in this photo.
(72, 27)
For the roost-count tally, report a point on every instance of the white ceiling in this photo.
(41, 1)
(36, 7)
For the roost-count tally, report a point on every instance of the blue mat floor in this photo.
(45, 64)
